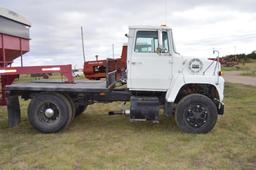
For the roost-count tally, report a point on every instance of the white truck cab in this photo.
(154, 66)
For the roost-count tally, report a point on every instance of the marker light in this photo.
(51, 69)
(8, 71)
(221, 73)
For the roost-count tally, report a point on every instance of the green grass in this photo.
(234, 68)
(247, 69)
(98, 141)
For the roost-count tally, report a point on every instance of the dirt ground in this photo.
(235, 77)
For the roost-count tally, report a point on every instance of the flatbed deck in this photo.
(57, 86)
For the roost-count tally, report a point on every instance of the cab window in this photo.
(146, 42)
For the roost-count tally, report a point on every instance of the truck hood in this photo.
(200, 66)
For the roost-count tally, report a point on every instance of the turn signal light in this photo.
(221, 73)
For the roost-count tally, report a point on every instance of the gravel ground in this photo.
(235, 77)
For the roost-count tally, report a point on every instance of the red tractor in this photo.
(95, 70)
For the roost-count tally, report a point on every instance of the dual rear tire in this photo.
(52, 112)
(79, 109)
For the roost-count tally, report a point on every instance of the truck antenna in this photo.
(165, 12)
(82, 37)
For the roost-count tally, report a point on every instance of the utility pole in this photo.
(82, 37)
(113, 50)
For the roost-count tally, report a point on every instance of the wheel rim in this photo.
(48, 113)
(196, 115)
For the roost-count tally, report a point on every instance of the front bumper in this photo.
(220, 106)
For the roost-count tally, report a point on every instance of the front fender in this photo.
(178, 82)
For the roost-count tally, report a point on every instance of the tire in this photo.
(73, 106)
(196, 113)
(49, 112)
(80, 109)
(69, 103)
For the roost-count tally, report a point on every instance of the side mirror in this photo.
(126, 35)
(159, 51)
(216, 51)
(160, 39)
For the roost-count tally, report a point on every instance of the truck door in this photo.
(149, 69)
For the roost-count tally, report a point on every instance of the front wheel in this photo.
(196, 113)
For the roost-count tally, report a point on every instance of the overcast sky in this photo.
(198, 26)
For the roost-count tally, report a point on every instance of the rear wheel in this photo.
(73, 106)
(80, 109)
(196, 113)
(49, 112)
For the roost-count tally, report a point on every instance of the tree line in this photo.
(239, 57)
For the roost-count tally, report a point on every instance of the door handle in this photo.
(170, 61)
(134, 63)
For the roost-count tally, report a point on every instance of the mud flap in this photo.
(13, 108)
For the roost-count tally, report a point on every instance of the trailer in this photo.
(188, 89)
(14, 43)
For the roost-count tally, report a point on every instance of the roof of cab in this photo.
(13, 16)
(149, 27)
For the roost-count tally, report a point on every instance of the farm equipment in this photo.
(95, 70)
(227, 61)
(190, 89)
(14, 43)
